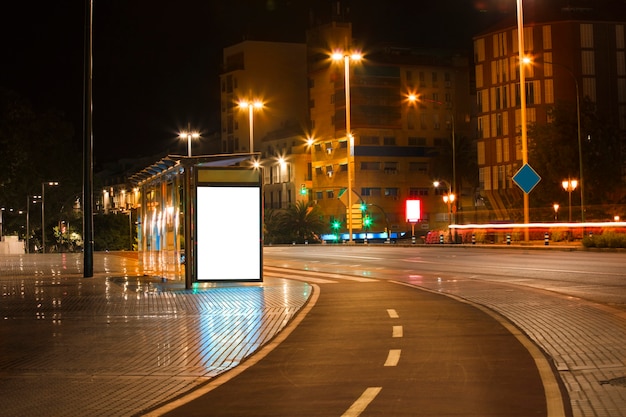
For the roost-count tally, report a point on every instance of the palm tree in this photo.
(302, 222)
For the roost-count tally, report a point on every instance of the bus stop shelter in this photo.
(201, 218)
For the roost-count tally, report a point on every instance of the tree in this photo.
(298, 223)
(554, 154)
(35, 147)
(304, 222)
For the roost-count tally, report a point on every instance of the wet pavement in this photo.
(121, 342)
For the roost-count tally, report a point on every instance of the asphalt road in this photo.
(377, 348)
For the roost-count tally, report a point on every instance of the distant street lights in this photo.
(570, 185)
(189, 135)
(251, 106)
(449, 200)
(555, 206)
(34, 199)
(43, 212)
(347, 57)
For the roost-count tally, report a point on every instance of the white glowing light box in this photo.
(229, 234)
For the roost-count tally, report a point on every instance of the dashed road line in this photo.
(393, 314)
(361, 404)
(397, 331)
(393, 357)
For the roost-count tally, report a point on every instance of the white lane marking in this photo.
(316, 274)
(393, 357)
(397, 331)
(299, 278)
(361, 404)
(392, 313)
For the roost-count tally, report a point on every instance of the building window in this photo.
(390, 167)
(389, 140)
(370, 140)
(414, 141)
(391, 192)
(370, 166)
(370, 192)
(586, 35)
(330, 194)
(421, 167)
(319, 195)
(418, 192)
(318, 171)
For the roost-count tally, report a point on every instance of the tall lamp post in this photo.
(569, 185)
(448, 199)
(347, 57)
(414, 98)
(522, 93)
(578, 130)
(189, 135)
(43, 212)
(251, 106)
(29, 199)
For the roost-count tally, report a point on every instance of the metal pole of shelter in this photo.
(188, 216)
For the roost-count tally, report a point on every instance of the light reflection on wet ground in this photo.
(121, 342)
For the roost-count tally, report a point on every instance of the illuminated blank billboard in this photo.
(229, 225)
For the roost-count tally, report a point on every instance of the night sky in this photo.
(156, 64)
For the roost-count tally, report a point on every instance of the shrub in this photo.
(605, 240)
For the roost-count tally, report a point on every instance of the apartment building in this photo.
(571, 51)
(407, 104)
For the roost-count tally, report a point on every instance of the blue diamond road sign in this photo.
(526, 178)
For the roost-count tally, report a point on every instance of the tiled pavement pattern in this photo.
(119, 343)
(586, 341)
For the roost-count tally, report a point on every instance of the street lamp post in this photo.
(569, 185)
(347, 57)
(579, 134)
(449, 200)
(34, 199)
(189, 135)
(43, 212)
(555, 206)
(522, 88)
(413, 98)
(251, 106)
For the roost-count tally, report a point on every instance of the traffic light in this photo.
(367, 222)
(335, 224)
(303, 190)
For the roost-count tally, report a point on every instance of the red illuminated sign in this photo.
(413, 211)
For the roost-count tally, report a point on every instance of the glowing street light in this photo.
(29, 199)
(347, 57)
(449, 200)
(555, 206)
(251, 106)
(43, 211)
(189, 135)
(570, 185)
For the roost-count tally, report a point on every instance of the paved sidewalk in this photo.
(585, 341)
(120, 343)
